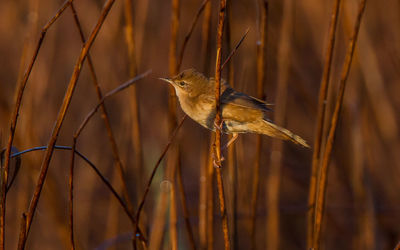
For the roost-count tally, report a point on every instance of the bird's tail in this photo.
(273, 130)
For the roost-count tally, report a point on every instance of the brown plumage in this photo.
(241, 113)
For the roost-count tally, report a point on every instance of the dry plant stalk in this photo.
(274, 176)
(235, 49)
(206, 171)
(218, 122)
(107, 95)
(110, 134)
(173, 158)
(189, 34)
(95, 169)
(368, 63)
(179, 176)
(206, 38)
(14, 119)
(104, 112)
(98, 173)
(320, 120)
(134, 106)
(261, 68)
(147, 189)
(61, 116)
(174, 154)
(118, 165)
(231, 163)
(323, 170)
(127, 207)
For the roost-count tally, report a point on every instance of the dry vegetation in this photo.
(119, 172)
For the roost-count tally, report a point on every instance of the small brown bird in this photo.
(240, 113)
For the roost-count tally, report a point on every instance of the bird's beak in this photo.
(167, 80)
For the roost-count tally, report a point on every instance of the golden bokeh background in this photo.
(362, 203)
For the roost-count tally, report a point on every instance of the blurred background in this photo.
(362, 202)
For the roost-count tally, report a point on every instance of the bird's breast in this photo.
(201, 110)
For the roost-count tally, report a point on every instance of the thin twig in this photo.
(141, 204)
(61, 116)
(110, 134)
(109, 94)
(188, 35)
(14, 119)
(206, 38)
(17, 166)
(95, 169)
(236, 47)
(323, 171)
(320, 119)
(90, 115)
(107, 183)
(218, 122)
(106, 119)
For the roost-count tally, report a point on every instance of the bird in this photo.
(240, 112)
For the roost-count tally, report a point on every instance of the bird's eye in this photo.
(181, 84)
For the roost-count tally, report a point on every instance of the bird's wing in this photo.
(231, 97)
(240, 107)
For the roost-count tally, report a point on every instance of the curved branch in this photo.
(95, 169)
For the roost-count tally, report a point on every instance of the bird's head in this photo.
(189, 83)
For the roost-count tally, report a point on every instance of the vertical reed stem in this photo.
(13, 124)
(274, 176)
(134, 105)
(218, 122)
(232, 167)
(207, 171)
(173, 156)
(261, 68)
(323, 171)
(61, 116)
(320, 119)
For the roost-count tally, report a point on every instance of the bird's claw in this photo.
(216, 163)
(219, 126)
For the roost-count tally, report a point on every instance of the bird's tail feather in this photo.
(282, 133)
